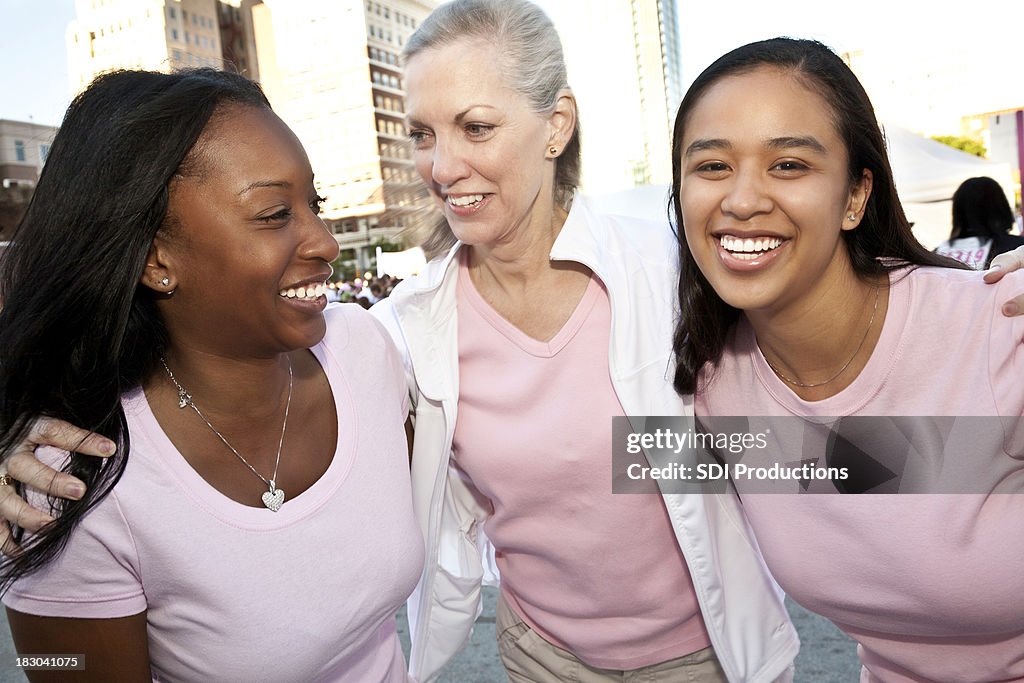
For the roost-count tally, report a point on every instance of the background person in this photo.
(256, 522)
(803, 292)
(982, 221)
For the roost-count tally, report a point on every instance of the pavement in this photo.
(827, 656)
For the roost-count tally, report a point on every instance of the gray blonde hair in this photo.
(534, 66)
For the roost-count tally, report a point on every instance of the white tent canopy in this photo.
(927, 174)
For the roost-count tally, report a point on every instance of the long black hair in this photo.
(882, 242)
(76, 327)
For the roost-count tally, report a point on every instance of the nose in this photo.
(448, 163)
(747, 195)
(318, 242)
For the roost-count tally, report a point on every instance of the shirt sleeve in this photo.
(1006, 348)
(96, 576)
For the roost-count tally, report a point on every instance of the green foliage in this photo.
(963, 143)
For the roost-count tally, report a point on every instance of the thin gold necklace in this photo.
(273, 498)
(802, 385)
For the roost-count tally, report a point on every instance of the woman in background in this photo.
(982, 221)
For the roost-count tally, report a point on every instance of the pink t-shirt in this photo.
(237, 593)
(597, 574)
(930, 586)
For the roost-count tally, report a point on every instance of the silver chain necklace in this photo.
(273, 498)
(795, 383)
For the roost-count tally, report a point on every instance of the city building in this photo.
(159, 35)
(1002, 133)
(623, 62)
(331, 70)
(237, 38)
(24, 147)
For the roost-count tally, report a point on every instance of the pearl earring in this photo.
(553, 151)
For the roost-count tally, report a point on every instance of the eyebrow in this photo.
(265, 183)
(788, 142)
(808, 142)
(412, 121)
(705, 144)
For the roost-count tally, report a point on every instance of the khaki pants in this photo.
(528, 658)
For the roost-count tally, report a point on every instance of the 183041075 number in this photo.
(50, 662)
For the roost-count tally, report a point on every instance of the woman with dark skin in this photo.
(169, 199)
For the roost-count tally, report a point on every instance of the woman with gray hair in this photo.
(542, 320)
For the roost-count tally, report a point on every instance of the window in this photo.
(19, 150)
(174, 33)
(186, 37)
(174, 15)
(44, 151)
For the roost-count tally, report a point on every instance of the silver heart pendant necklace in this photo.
(273, 498)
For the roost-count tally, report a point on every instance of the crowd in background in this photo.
(365, 291)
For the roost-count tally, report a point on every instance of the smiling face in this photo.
(765, 192)
(246, 251)
(478, 146)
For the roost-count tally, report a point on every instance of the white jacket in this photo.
(636, 260)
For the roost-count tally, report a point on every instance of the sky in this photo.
(901, 35)
(34, 73)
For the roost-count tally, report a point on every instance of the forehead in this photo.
(452, 77)
(241, 141)
(761, 104)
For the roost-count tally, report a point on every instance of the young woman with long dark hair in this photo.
(165, 290)
(804, 293)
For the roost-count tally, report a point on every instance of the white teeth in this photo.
(737, 245)
(465, 200)
(310, 293)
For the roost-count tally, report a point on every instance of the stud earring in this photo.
(553, 151)
(166, 281)
(851, 217)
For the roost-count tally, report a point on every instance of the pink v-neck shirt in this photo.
(237, 593)
(597, 574)
(930, 586)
